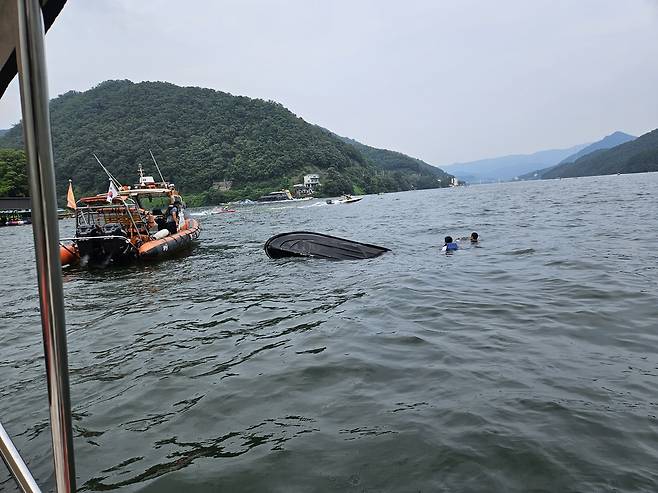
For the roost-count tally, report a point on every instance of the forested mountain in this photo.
(3, 131)
(509, 167)
(13, 173)
(607, 142)
(636, 156)
(200, 136)
(427, 175)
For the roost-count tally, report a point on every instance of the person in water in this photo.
(450, 245)
(474, 238)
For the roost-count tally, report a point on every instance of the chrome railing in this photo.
(29, 43)
(16, 465)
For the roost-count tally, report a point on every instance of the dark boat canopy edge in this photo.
(8, 70)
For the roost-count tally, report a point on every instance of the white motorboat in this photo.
(345, 199)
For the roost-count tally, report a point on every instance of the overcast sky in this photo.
(443, 80)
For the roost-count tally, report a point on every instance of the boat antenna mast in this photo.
(156, 166)
(116, 182)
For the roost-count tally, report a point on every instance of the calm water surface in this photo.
(529, 363)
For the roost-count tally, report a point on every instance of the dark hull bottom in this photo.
(307, 244)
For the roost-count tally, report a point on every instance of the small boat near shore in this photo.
(280, 196)
(345, 199)
(15, 222)
(24, 217)
(118, 229)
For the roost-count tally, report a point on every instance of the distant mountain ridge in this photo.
(3, 131)
(636, 156)
(607, 142)
(509, 167)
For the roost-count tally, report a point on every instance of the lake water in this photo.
(527, 363)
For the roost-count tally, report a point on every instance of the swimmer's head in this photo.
(448, 239)
(474, 237)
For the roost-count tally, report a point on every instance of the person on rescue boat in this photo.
(151, 223)
(172, 216)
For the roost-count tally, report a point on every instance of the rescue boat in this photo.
(118, 228)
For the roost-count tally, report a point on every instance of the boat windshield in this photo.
(121, 211)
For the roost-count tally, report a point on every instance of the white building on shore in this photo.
(312, 182)
(309, 187)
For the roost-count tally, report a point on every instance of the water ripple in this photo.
(527, 363)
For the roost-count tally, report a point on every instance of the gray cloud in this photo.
(441, 80)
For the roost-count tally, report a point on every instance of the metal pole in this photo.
(36, 128)
(157, 167)
(16, 465)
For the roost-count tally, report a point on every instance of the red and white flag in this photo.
(112, 192)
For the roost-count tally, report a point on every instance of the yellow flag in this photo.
(70, 199)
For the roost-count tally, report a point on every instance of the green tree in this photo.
(13, 173)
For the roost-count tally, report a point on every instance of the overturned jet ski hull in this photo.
(308, 244)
